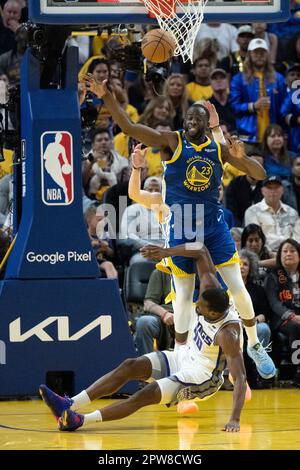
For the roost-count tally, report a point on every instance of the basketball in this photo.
(66, 169)
(158, 45)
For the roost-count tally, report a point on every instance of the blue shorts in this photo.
(219, 243)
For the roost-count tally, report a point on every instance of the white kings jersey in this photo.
(202, 366)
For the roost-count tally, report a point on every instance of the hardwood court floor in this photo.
(271, 420)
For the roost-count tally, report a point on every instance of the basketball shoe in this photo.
(264, 364)
(56, 403)
(70, 421)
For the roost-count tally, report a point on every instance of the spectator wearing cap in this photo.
(257, 94)
(200, 88)
(291, 75)
(220, 97)
(290, 111)
(234, 62)
(276, 219)
(260, 31)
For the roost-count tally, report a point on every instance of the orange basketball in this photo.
(158, 45)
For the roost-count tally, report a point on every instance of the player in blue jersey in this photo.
(193, 171)
(197, 375)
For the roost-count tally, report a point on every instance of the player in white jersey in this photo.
(173, 376)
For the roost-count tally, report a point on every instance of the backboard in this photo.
(134, 11)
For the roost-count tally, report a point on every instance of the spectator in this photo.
(9, 24)
(207, 48)
(103, 166)
(225, 34)
(234, 62)
(139, 225)
(175, 90)
(293, 48)
(292, 187)
(6, 194)
(243, 192)
(290, 111)
(102, 245)
(282, 287)
(236, 233)
(260, 31)
(10, 61)
(157, 320)
(292, 74)
(200, 88)
(276, 219)
(250, 275)
(153, 155)
(228, 215)
(257, 94)
(254, 240)
(220, 97)
(277, 158)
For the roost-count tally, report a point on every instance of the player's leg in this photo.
(163, 390)
(130, 369)
(183, 306)
(231, 275)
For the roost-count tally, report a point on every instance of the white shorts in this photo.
(179, 380)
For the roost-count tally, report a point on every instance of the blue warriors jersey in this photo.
(193, 176)
(191, 182)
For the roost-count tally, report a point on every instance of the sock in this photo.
(252, 335)
(80, 400)
(93, 417)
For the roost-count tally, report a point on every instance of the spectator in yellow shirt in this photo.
(200, 88)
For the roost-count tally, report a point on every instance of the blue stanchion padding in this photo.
(61, 325)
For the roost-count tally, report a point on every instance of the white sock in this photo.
(93, 417)
(251, 335)
(80, 400)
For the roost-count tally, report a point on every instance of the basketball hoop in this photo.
(180, 18)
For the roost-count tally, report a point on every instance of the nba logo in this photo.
(57, 168)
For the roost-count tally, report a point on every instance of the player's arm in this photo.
(148, 136)
(229, 341)
(234, 153)
(205, 267)
(134, 189)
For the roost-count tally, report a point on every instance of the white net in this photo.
(181, 18)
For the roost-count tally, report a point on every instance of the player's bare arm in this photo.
(229, 341)
(205, 267)
(144, 134)
(234, 153)
(153, 201)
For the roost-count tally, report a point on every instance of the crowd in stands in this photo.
(251, 73)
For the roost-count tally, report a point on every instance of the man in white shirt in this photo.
(276, 219)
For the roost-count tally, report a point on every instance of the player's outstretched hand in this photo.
(213, 115)
(232, 426)
(138, 157)
(236, 147)
(153, 252)
(98, 88)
